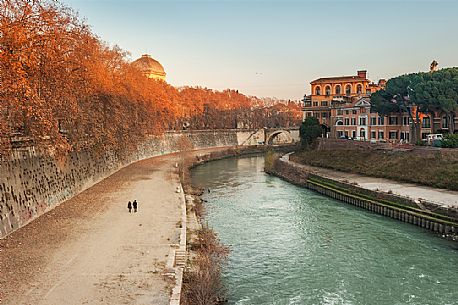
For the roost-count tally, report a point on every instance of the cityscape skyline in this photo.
(273, 48)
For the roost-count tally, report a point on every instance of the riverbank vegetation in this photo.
(436, 170)
(63, 88)
(202, 283)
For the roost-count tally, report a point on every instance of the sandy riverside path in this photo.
(90, 250)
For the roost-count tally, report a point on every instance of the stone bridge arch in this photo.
(273, 135)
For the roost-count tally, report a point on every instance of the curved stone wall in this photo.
(32, 184)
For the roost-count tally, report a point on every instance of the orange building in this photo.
(343, 108)
(342, 89)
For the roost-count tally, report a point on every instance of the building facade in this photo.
(343, 108)
(342, 89)
(355, 120)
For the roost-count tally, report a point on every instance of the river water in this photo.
(290, 245)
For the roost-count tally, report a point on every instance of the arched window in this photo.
(338, 89)
(328, 90)
(318, 90)
(339, 123)
(348, 90)
(359, 89)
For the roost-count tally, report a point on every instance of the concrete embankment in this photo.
(91, 250)
(427, 215)
(33, 183)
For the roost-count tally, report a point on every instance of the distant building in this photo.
(150, 67)
(356, 121)
(341, 89)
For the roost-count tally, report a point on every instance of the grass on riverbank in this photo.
(431, 170)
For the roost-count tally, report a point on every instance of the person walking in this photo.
(135, 205)
(129, 206)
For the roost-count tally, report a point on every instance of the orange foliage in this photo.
(60, 85)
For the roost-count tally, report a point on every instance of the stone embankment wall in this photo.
(442, 220)
(31, 183)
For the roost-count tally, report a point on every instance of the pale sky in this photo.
(275, 48)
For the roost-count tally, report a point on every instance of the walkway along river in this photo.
(290, 245)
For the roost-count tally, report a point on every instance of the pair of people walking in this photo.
(131, 205)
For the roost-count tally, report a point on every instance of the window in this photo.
(405, 121)
(324, 115)
(362, 121)
(338, 89)
(368, 91)
(339, 112)
(315, 104)
(339, 123)
(393, 120)
(324, 103)
(316, 114)
(393, 135)
(362, 133)
(328, 90)
(423, 135)
(359, 89)
(381, 135)
(347, 121)
(353, 134)
(347, 112)
(318, 90)
(340, 134)
(373, 121)
(308, 114)
(346, 134)
(381, 120)
(426, 122)
(373, 135)
(353, 111)
(444, 122)
(353, 121)
(348, 90)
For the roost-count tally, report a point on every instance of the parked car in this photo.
(431, 138)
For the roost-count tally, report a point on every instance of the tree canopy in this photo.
(310, 130)
(61, 86)
(430, 91)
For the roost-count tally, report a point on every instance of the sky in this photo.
(274, 48)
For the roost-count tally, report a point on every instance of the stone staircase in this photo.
(180, 257)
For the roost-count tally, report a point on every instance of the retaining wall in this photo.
(32, 183)
(401, 210)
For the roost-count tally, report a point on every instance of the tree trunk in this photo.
(451, 122)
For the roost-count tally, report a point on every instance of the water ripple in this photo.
(292, 246)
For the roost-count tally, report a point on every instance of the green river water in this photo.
(290, 245)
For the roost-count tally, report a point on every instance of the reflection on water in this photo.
(292, 246)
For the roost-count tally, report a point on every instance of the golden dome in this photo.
(150, 67)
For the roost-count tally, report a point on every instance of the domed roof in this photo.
(149, 66)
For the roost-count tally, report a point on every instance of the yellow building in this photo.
(150, 67)
(327, 91)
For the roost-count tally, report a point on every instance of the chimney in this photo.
(362, 74)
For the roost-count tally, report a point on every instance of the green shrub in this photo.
(450, 141)
(310, 130)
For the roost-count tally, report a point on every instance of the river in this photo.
(290, 245)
